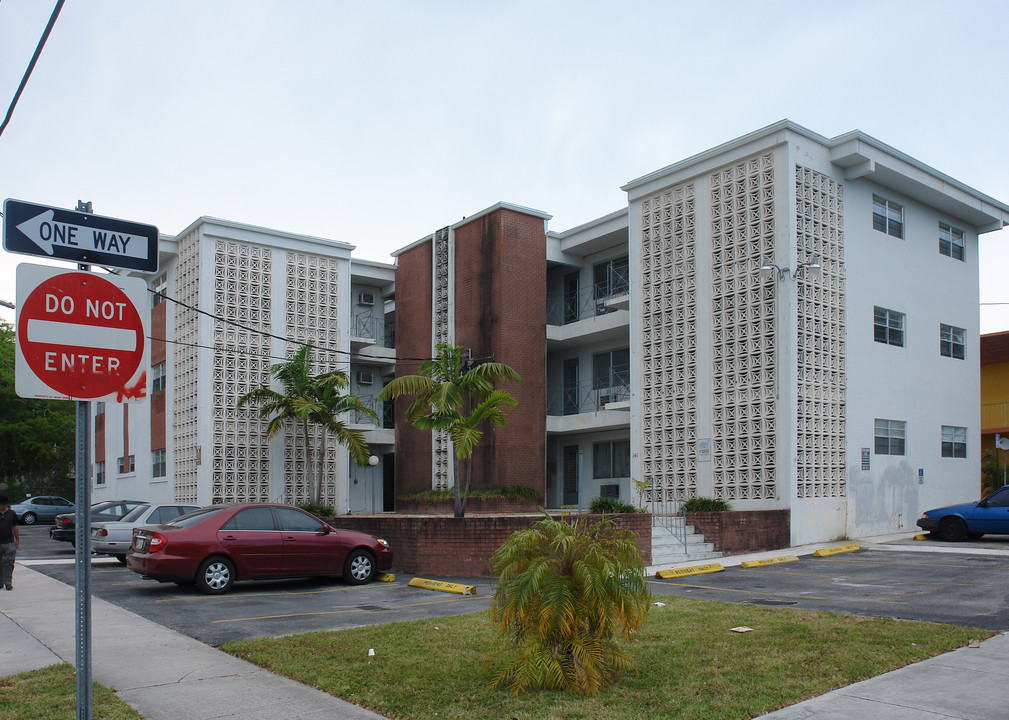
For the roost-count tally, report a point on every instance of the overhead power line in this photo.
(31, 65)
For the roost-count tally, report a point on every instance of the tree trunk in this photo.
(460, 502)
(309, 466)
(320, 473)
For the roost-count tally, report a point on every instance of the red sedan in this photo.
(217, 545)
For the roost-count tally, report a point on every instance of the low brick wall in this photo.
(445, 546)
(742, 531)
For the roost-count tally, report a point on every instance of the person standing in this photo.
(9, 542)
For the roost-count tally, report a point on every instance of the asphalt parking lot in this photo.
(945, 584)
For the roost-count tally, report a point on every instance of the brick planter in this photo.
(445, 546)
(742, 531)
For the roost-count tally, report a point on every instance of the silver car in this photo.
(113, 537)
(41, 507)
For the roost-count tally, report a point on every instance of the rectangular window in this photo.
(100, 472)
(954, 441)
(159, 286)
(99, 408)
(887, 217)
(889, 436)
(611, 369)
(158, 468)
(127, 465)
(888, 326)
(611, 460)
(158, 377)
(951, 341)
(950, 242)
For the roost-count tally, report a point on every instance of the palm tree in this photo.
(309, 400)
(566, 592)
(457, 400)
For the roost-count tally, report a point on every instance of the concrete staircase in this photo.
(667, 545)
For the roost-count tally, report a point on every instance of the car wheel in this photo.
(215, 576)
(29, 518)
(359, 567)
(953, 529)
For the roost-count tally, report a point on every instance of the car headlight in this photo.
(924, 515)
(381, 542)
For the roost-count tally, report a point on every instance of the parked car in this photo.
(41, 507)
(113, 537)
(218, 545)
(65, 525)
(970, 520)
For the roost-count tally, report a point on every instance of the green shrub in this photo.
(508, 492)
(320, 510)
(700, 504)
(604, 505)
(566, 592)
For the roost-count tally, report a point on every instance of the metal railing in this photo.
(994, 415)
(384, 410)
(565, 308)
(368, 327)
(666, 512)
(588, 396)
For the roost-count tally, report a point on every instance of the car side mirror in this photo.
(326, 530)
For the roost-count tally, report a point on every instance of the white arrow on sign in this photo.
(47, 234)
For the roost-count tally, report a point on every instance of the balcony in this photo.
(589, 406)
(375, 433)
(994, 417)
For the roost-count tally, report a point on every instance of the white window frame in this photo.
(948, 343)
(949, 235)
(159, 468)
(158, 377)
(953, 443)
(887, 217)
(894, 433)
(100, 472)
(889, 325)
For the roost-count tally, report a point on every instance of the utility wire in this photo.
(31, 65)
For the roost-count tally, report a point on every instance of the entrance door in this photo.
(570, 475)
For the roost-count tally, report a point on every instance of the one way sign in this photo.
(33, 229)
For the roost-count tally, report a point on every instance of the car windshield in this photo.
(134, 513)
(196, 516)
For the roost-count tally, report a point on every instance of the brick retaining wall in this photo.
(445, 546)
(742, 531)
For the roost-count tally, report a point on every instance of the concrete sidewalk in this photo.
(163, 674)
(166, 675)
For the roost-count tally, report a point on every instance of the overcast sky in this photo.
(376, 123)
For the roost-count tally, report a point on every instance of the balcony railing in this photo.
(588, 396)
(385, 412)
(569, 308)
(368, 327)
(994, 415)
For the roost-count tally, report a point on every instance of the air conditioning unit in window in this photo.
(365, 298)
(365, 377)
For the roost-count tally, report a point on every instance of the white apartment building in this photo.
(785, 321)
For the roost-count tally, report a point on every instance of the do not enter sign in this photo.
(80, 335)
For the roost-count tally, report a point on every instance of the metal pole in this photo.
(82, 545)
(82, 513)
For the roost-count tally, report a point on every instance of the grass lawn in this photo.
(690, 663)
(51, 694)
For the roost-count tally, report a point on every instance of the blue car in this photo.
(41, 507)
(970, 520)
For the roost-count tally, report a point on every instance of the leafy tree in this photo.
(37, 436)
(458, 400)
(566, 592)
(311, 400)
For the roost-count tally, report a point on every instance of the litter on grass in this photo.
(742, 629)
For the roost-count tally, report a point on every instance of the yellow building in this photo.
(994, 395)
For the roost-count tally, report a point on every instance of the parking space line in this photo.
(469, 598)
(761, 593)
(242, 596)
(880, 580)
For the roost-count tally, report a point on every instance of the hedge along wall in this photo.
(743, 531)
(461, 547)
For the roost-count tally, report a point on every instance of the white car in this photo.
(114, 537)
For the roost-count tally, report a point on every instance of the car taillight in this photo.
(157, 542)
(64, 521)
(102, 532)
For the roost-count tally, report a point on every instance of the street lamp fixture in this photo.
(768, 269)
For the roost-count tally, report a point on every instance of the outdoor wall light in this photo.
(768, 269)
